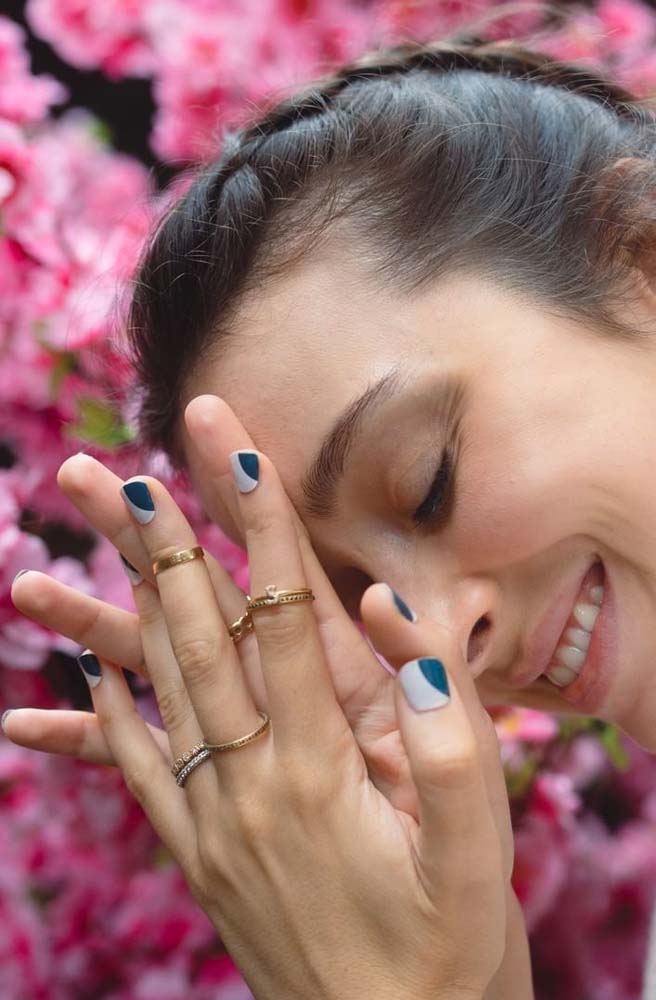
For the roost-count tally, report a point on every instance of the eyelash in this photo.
(439, 497)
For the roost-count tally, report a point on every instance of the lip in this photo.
(541, 644)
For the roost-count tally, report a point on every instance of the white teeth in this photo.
(586, 615)
(578, 637)
(561, 676)
(570, 657)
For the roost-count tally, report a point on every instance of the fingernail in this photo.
(20, 573)
(4, 716)
(132, 573)
(406, 611)
(425, 683)
(140, 502)
(245, 469)
(90, 667)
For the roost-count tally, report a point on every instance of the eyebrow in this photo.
(319, 485)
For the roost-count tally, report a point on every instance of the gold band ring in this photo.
(274, 596)
(184, 555)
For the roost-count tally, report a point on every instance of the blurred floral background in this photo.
(104, 107)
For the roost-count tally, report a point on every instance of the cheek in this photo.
(527, 507)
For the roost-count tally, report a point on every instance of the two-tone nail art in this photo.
(90, 666)
(425, 683)
(401, 606)
(132, 573)
(245, 469)
(139, 500)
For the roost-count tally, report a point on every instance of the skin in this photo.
(529, 512)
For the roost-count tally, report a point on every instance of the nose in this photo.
(468, 608)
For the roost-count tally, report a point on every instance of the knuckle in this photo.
(197, 658)
(305, 790)
(138, 783)
(263, 525)
(174, 707)
(281, 628)
(150, 611)
(450, 767)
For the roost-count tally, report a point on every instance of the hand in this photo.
(364, 689)
(286, 844)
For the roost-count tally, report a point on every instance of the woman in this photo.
(400, 332)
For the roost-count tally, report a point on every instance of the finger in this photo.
(178, 716)
(302, 702)
(112, 631)
(144, 767)
(68, 733)
(94, 490)
(400, 634)
(206, 655)
(213, 432)
(459, 853)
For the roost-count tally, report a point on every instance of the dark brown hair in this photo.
(427, 158)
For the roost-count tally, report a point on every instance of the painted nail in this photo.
(425, 683)
(140, 502)
(406, 611)
(246, 469)
(90, 667)
(132, 573)
(20, 573)
(4, 716)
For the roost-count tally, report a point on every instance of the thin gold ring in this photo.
(274, 596)
(184, 555)
(243, 740)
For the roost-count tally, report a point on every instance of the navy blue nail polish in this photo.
(139, 501)
(90, 666)
(406, 611)
(246, 469)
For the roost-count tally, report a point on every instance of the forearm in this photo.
(513, 980)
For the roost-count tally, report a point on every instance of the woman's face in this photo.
(551, 430)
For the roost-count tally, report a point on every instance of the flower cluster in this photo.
(91, 904)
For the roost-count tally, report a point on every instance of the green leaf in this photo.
(100, 424)
(610, 739)
(65, 363)
(101, 131)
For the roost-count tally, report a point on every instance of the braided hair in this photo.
(426, 158)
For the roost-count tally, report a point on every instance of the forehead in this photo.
(301, 350)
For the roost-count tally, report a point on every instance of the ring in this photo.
(203, 751)
(184, 555)
(273, 596)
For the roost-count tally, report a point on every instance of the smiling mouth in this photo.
(571, 651)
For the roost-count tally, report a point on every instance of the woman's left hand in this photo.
(317, 885)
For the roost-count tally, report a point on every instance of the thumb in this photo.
(439, 715)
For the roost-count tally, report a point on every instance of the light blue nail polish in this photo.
(4, 716)
(132, 573)
(245, 469)
(20, 573)
(90, 666)
(425, 683)
(137, 496)
(401, 606)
